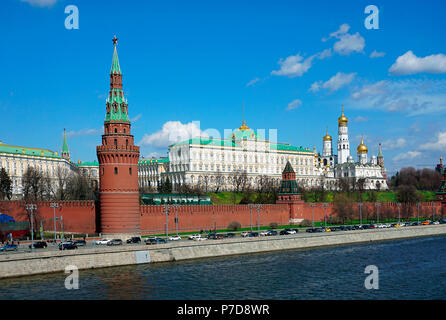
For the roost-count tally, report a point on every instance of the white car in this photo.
(193, 236)
(174, 238)
(102, 241)
(264, 233)
(245, 234)
(436, 222)
(199, 238)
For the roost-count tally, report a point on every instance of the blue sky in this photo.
(292, 63)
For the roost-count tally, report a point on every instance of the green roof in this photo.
(288, 147)
(115, 63)
(89, 164)
(208, 142)
(36, 152)
(162, 160)
(65, 144)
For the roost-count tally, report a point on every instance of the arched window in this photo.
(130, 171)
(116, 143)
(116, 170)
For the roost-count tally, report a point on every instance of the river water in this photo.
(408, 269)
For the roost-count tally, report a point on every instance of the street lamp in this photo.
(418, 212)
(325, 206)
(166, 209)
(250, 213)
(176, 217)
(54, 205)
(399, 212)
(377, 205)
(31, 208)
(258, 207)
(312, 214)
(360, 213)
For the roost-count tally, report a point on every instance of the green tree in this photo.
(5, 185)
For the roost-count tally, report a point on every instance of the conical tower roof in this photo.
(65, 151)
(115, 68)
(288, 168)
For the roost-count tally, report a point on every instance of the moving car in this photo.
(68, 245)
(134, 240)
(9, 247)
(39, 244)
(102, 241)
(82, 243)
(114, 242)
(215, 236)
(193, 236)
(154, 240)
(174, 238)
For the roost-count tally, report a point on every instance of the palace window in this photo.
(116, 170)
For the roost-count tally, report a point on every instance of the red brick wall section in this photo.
(78, 216)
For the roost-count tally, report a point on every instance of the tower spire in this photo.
(244, 127)
(115, 63)
(65, 151)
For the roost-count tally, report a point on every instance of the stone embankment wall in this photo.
(21, 264)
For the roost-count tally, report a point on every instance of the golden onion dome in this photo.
(362, 148)
(343, 120)
(327, 137)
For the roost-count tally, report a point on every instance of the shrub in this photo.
(234, 225)
(306, 223)
(273, 225)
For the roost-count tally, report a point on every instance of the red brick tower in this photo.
(289, 194)
(118, 159)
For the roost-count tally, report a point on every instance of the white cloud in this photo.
(84, 132)
(155, 155)
(392, 144)
(439, 145)
(347, 43)
(172, 132)
(324, 54)
(136, 118)
(412, 96)
(409, 63)
(335, 83)
(293, 66)
(361, 119)
(294, 104)
(40, 3)
(407, 156)
(253, 82)
(376, 54)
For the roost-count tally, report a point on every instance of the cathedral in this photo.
(371, 174)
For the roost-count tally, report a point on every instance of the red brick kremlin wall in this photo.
(80, 216)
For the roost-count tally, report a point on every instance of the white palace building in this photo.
(210, 162)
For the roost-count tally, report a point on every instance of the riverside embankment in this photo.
(22, 264)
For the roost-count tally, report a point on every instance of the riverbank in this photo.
(23, 264)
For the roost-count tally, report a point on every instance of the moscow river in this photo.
(408, 269)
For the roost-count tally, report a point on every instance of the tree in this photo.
(407, 194)
(5, 185)
(165, 186)
(343, 207)
(78, 188)
(62, 177)
(34, 185)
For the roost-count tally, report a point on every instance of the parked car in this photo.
(327, 229)
(253, 234)
(174, 238)
(82, 243)
(271, 233)
(442, 221)
(310, 230)
(193, 236)
(425, 223)
(395, 225)
(102, 241)
(39, 245)
(67, 245)
(264, 233)
(318, 230)
(114, 242)
(245, 234)
(134, 240)
(415, 223)
(200, 238)
(154, 240)
(9, 247)
(436, 222)
(215, 236)
(229, 235)
(288, 231)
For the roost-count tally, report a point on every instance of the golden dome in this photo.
(327, 137)
(343, 120)
(362, 148)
